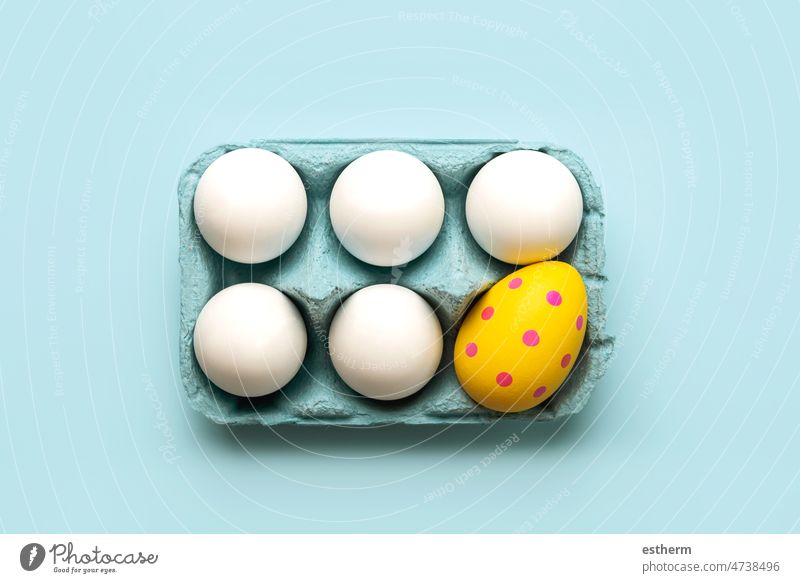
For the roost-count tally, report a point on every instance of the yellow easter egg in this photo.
(521, 339)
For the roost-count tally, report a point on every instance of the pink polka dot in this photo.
(579, 322)
(504, 379)
(487, 312)
(540, 391)
(553, 298)
(530, 338)
(565, 360)
(514, 283)
(472, 349)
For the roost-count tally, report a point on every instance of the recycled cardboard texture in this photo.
(318, 274)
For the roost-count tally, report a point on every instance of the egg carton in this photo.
(318, 274)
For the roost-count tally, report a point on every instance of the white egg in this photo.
(385, 342)
(387, 208)
(250, 339)
(523, 207)
(250, 205)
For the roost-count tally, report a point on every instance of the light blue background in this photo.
(687, 115)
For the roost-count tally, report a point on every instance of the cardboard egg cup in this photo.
(317, 273)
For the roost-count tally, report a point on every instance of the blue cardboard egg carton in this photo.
(318, 274)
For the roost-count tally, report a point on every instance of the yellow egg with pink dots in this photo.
(520, 340)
